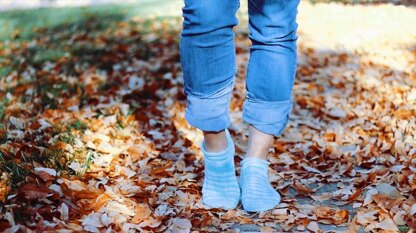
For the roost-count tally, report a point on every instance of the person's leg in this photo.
(207, 54)
(270, 77)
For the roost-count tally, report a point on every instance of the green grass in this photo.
(3, 105)
(5, 71)
(50, 90)
(13, 167)
(77, 125)
(23, 24)
(51, 31)
(58, 159)
(404, 228)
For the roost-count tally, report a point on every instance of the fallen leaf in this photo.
(181, 225)
(332, 216)
(367, 217)
(388, 190)
(387, 224)
(313, 226)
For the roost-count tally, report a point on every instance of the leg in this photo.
(270, 79)
(272, 66)
(258, 144)
(207, 54)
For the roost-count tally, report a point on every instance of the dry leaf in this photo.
(366, 218)
(313, 226)
(388, 190)
(387, 224)
(329, 215)
(181, 225)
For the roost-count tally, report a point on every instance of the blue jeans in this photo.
(208, 59)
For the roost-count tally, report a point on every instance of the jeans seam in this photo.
(227, 106)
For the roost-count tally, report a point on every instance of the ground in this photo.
(92, 134)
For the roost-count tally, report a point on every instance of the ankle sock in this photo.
(257, 192)
(220, 187)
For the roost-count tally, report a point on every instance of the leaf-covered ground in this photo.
(92, 134)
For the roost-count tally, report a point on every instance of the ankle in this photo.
(258, 155)
(215, 147)
(215, 142)
(259, 143)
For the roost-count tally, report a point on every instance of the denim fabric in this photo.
(207, 53)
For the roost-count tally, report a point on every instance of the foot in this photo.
(220, 188)
(257, 192)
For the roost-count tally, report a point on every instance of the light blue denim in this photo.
(208, 59)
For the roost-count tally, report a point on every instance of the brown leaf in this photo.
(329, 215)
(403, 114)
(385, 201)
(161, 169)
(4, 186)
(32, 191)
(301, 188)
(366, 218)
(142, 212)
(354, 196)
(46, 174)
(387, 224)
(330, 137)
(100, 201)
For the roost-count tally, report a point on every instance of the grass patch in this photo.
(88, 160)
(77, 125)
(404, 228)
(57, 159)
(51, 89)
(4, 71)
(43, 55)
(66, 133)
(17, 171)
(20, 164)
(66, 137)
(3, 105)
(85, 36)
(22, 25)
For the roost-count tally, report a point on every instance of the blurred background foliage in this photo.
(22, 21)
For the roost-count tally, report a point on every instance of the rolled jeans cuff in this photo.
(268, 117)
(209, 112)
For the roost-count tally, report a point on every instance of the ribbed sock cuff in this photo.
(252, 161)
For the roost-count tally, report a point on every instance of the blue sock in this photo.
(220, 188)
(257, 192)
